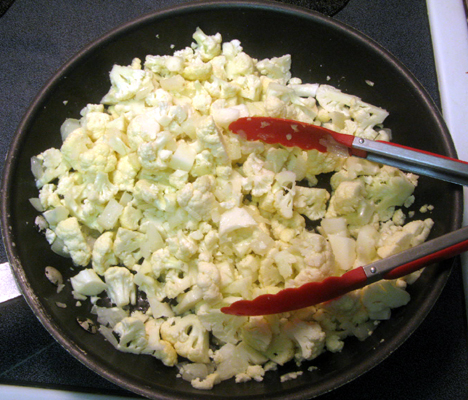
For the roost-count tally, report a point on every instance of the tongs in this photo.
(306, 136)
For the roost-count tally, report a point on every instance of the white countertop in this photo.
(449, 32)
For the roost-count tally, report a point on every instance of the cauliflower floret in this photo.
(380, 297)
(100, 190)
(130, 217)
(349, 200)
(208, 280)
(276, 68)
(234, 360)
(224, 327)
(48, 166)
(281, 348)
(165, 65)
(257, 333)
(103, 255)
(99, 158)
(239, 65)
(127, 83)
(308, 336)
(120, 286)
(258, 179)
(197, 70)
(132, 335)
(283, 192)
(161, 349)
(156, 155)
(95, 120)
(188, 336)
(311, 202)
(182, 246)
(335, 101)
(74, 240)
(316, 163)
(76, 144)
(49, 197)
(315, 250)
(287, 229)
(197, 198)
(127, 245)
(207, 46)
(395, 239)
(390, 188)
(210, 137)
(143, 128)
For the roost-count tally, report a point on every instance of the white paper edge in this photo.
(8, 288)
(11, 392)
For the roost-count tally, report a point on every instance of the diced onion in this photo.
(36, 168)
(36, 203)
(110, 215)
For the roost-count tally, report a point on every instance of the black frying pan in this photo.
(323, 51)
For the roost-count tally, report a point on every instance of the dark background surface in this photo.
(37, 37)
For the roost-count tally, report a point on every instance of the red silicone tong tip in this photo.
(288, 133)
(291, 299)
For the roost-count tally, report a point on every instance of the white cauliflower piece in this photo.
(188, 336)
(103, 255)
(335, 101)
(224, 327)
(132, 335)
(143, 128)
(161, 349)
(257, 333)
(87, 283)
(259, 179)
(234, 219)
(233, 360)
(99, 158)
(380, 297)
(101, 190)
(276, 68)
(76, 144)
(208, 280)
(48, 166)
(390, 188)
(311, 202)
(120, 286)
(315, 250)
(74, 240)
(127, 83)
(350, 200)
(396, 239)
(207, 46)
(127, 245)
(197, 198)
(281, 349)
(283, 191)
(211, 138)
(308, 336)
(94, 120)
(49, 197)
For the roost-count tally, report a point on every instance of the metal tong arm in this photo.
(412, 160)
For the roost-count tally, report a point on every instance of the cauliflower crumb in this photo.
(290, 376)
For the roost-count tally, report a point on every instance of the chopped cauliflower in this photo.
(170, 216)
